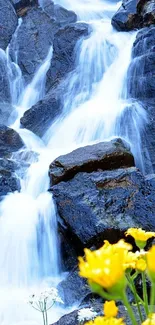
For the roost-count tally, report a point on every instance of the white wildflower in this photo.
(47, 296)
(86, 314)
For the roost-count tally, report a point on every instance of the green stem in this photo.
(145, 296)
(129, 309)
(46, 314)
(130, 280)
(43, 318)
(131, 288)
(152, 298)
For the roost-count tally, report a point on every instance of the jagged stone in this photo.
(103, 156)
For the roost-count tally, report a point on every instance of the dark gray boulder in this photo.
(134, 14)
(73, 288)
(9, 181)
(141, 87)
(4, 81)
(64, 51)
(103, 204)
(97, 305)
(35, 37)
(8, 22)
(39, 117)
(101, 156)
(10, 141)
(127, 17)
(142, 68)
(20, 4)
(59, 14)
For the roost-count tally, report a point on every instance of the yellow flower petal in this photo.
(100, 320)
(141, 264)
(150, 258)
(150, 320)
(110, 309)
(140, 234)
(104, 266)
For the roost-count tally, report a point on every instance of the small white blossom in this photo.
(47, 296)
(86, 314)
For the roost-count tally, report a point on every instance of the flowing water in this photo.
(96, 108)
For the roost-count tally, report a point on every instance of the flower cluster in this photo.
(114, 267)
(86, 314)
(43, 301)
(50, 294)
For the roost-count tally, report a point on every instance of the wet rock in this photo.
(60, 14)
(134, 14)
(103, 156)
(20, 4)
(73, 289)
(148, 13)
(97, 305)
(142, 68)
(127, 17)
(9, 181)
(69, 319)
(70, 247)
(36, 36)
(141, 87)
(39, 117)
(10, 141)
(64, 56)
(4, 82)
(8, 22)
(103, 204)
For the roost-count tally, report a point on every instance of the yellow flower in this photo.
(130, 260)
(140, 236)
(105, 266)
(150, 258)
(110, 309)
(100, 320)
(140, 264)
(150, 320)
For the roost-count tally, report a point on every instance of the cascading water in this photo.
(96, 107)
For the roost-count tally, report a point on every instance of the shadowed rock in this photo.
(36, 35)
(10, 141)
(134, 14)
(9, 181)
(8, 22)
(104, 156)
(102, 204)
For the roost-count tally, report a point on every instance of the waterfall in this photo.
(96, 108)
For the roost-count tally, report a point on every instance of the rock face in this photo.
(102, 204)
(104, 155)
(134, 14)
(20, 4)
(142, 67)
(98, 194)
(8, 22)
(38, 32)
(63, 47)
(36, 35)
(40, 116)
(141, 86)
(9, 181)
(4, 81)
(10, 141)
(73, 289)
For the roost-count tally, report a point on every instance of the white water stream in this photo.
(95, 108)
